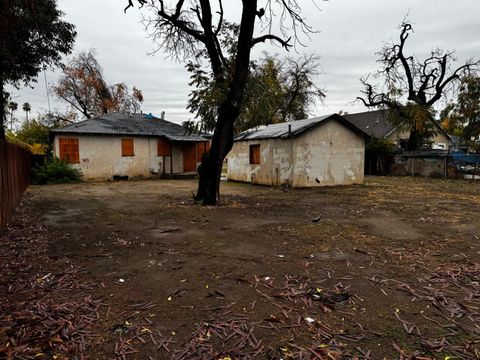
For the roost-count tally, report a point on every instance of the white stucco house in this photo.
(326, 150)
(129, 146)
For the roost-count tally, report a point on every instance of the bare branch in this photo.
(423, 83)
(130, 4)
(283, 43)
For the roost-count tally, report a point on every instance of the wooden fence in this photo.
(14, 178)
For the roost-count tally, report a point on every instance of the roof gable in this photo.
(294, 128)
(376, 123)
(129, 125)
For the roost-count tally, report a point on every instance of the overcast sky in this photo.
(349, 34)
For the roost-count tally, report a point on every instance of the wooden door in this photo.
(189, 157)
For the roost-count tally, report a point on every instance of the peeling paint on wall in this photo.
(101, 157)
(329, 154)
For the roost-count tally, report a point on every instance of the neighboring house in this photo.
(128, 145)
(376, 124)
(326, 150)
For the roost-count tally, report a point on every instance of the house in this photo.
(128, 145)
(376, 124)
(326, 150)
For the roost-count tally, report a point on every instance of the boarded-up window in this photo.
(164, 147)
(202, 147)
(69, 150)
(127, 147)
(255, 154)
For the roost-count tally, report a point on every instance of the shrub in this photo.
(55, 171)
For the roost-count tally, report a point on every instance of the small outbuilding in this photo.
(127, 146)
(326, 150)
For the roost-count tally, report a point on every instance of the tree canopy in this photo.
(33, 36)
(197, 29)
(411, 86)
(33, 133)
(462, 117)
(83, 87)
(276, 91)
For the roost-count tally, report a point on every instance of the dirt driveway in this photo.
(389, 269)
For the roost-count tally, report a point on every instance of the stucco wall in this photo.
(275, 162)
(101, 157)
(397, 135)
(330, 153)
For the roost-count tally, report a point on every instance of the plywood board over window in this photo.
(202, 147)
(164, 147)
(127, 147)
(255, 154)
(189, 157)
(69, 150)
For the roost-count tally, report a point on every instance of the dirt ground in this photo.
(389, 269)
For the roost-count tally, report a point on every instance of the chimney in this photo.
(289, 130)
(162, 115)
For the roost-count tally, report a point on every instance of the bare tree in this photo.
(421, 83)
(198, 28)
(82, 86)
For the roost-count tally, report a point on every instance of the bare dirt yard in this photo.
(136, 270)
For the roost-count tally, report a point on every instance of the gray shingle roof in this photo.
(129, 125)
(374, 123)
(292, 128)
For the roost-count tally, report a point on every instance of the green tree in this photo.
(197, 29)
(26, 107)
(420, 83)
(463, 115)
(276, 91)
(33, 133)
(82, 86)
(33, 36)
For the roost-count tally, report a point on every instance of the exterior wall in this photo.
(101, 157)
(330, 154)
(421, 166)
(439, 138)
(275, 162)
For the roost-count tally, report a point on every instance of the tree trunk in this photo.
(210, 169)
(3, 114)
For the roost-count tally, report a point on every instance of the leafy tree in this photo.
(12, 106)
(33, 36)
(276, 91)
(421, 83)
(34, 134)
(197, 29)
(83, 87)
(462, 117)
(26, 107)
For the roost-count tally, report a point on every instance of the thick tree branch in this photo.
(211, 42)
(284, 43)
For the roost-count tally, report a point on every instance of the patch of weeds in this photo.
(55, 171)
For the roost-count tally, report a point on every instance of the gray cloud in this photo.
(350, 32)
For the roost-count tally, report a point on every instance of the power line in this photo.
(46, 89)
